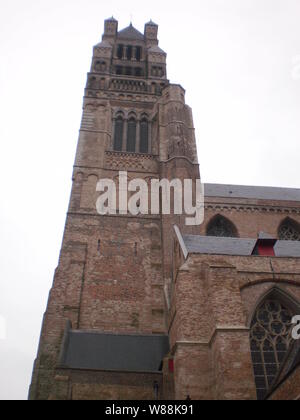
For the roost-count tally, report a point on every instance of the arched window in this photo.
(270, 338)
(118, 140)
(129, 52)
(144, 143)
(219, 226)
(131, 135)
(138, 53)
(120, 52)
(289, 230)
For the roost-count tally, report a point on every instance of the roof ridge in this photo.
(131, 32)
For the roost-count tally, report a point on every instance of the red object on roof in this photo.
(266, 249)
(265, 246)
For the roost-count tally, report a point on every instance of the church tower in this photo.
(105, 330)
(143, 305)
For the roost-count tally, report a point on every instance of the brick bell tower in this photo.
(104, 333)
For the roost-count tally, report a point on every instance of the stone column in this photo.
(150, 137)
(138, 136)
(112, 142)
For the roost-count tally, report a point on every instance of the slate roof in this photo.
(112, 19)
(151, 23)
(104, 44)
(224, 246)
(250, 192)
(235, 246)
(131, 33)
(123, 353)
(156, 49)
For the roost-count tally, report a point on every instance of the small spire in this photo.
(151, 23)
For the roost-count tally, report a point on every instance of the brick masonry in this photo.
(126, 274)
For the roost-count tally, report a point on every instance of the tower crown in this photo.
(110, 28)
(128, 54)
(151, 32)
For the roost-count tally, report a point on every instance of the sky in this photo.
(239, 61)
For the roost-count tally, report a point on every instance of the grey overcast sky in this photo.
(239, 61)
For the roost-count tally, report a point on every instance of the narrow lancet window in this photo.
(118, 140)
(144, 145)
(131, 136)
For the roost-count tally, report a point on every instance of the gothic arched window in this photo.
(221, 227)
(144, 144)
(270, 338)
(138, 55)
(289, 230)
(118, 140)
(131, 136)
(129, 52)
(120, 52)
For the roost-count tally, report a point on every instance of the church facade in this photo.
(143, 306)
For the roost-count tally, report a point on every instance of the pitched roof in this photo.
(219, 246)
(112, 19)
(104, 44)
(252, 192)
(131, 33)
(156, 49)
(196, 244)
(129, 353)
(151, 23)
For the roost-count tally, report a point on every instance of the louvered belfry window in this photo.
(270, 339)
